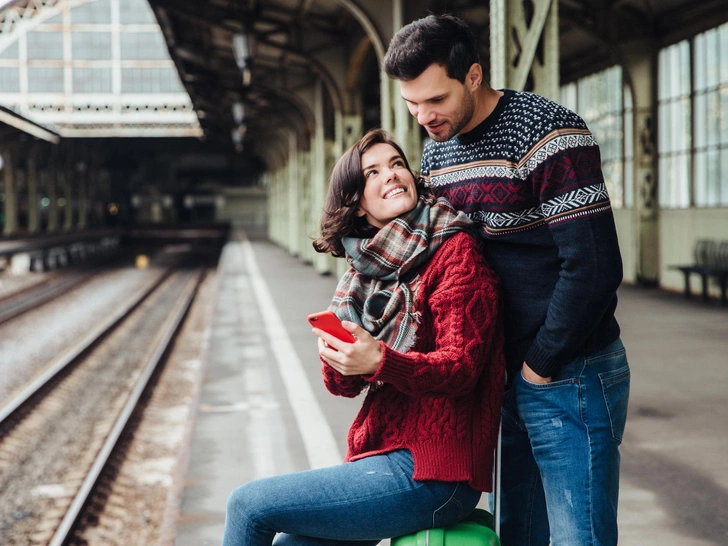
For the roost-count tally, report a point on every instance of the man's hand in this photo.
(532, 377)
(360, 358)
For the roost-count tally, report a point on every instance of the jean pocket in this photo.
(462, 501)
(550, 385)
(615, 387)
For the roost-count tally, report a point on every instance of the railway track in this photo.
(58, 434)
(16, 304)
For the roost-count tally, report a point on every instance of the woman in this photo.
(424, 308)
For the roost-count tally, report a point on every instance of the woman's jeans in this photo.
(359, 503)
(560, 457)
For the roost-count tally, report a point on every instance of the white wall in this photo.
(627, 235)
(246, 207)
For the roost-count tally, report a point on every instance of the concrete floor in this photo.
(264, 410)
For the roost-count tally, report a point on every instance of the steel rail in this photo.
(37, 296)
(164, 339)
(77, 350)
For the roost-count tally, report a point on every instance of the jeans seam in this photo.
(590, 493)
(601, 356)
(531, 502)
(452, 497)
(604, 385)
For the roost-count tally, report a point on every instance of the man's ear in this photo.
(475, 76)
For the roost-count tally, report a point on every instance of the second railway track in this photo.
(54, 446)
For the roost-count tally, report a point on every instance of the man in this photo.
(528, 172)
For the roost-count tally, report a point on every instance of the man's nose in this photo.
(425, 116)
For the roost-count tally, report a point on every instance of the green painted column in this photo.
(67, 184)
(83, 181)
(512, 61)
(640, 59)
(321, 262)
(10, 226)
(306, 251)
(294, 183)
(50, 181)
(33, 202)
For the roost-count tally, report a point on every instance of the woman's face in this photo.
(390, 188)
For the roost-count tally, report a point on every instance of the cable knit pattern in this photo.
(441, 400)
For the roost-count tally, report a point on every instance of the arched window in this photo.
(605, 104)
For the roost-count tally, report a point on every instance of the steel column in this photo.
(513, 44)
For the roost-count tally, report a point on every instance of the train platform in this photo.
(263, 410)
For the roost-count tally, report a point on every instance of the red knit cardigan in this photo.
(442, 399)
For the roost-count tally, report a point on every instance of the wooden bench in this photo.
(711, 262)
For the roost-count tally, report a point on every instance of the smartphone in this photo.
(330, 323)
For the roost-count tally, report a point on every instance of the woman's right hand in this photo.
(360, 358)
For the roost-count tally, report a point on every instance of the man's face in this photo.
(441, 105)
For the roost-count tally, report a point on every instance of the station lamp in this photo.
(243, 51)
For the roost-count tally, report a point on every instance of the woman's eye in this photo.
(398, 163)
(369, 174)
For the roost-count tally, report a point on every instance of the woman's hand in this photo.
(360, 358)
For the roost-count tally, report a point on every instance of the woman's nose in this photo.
(390, 174)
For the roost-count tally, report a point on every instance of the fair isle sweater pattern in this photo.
(485, 177)
(530, 178)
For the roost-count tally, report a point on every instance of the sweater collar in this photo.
(488, 122)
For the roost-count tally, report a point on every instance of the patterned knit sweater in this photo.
(442, 399)
(530, 177)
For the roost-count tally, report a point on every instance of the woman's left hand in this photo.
(360, 358)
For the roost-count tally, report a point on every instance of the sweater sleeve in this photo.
(349, 386)
(465, 306)
(576, 206)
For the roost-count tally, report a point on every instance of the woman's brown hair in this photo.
(346, 187)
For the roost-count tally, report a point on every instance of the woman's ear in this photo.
(360, 212)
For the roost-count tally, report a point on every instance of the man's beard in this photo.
(461, 118)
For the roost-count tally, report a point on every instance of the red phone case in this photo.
(330, 323)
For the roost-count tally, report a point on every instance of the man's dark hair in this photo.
(440, 39)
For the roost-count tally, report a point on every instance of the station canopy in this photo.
(239, 71)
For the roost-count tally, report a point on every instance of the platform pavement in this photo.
(674, 487)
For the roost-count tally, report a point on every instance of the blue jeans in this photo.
(357, 503)
(560, 453)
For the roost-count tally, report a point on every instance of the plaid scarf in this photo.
(379, 289)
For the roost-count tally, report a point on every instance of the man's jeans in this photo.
(560, 453)
(353, 504)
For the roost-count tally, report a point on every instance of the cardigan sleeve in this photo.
(349, 386)
(465, 306)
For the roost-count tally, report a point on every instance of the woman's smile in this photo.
(389, 189)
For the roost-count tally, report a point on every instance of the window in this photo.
(136, 12)
(9, 80)
(143, 45)
(93, 12)
(606, 106)
(710, 58)
(91, 45)
(45, 45)
(10, 52)
(674, 136)
(45, 79)
(92, 80)
(628, 148)
(150, 80)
